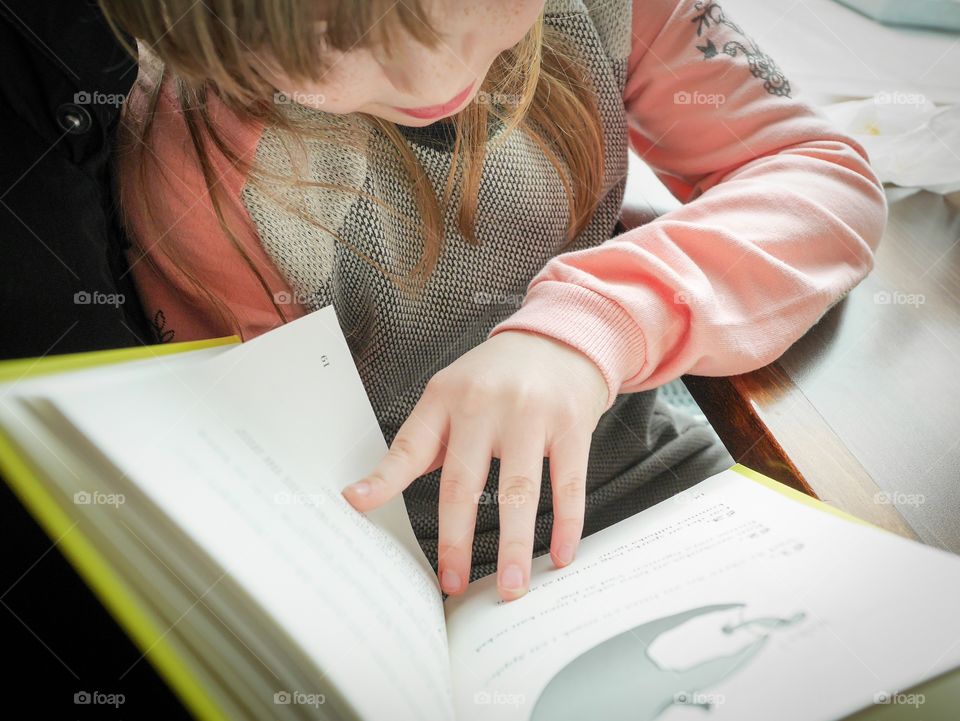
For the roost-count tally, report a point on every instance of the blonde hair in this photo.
(206, 49)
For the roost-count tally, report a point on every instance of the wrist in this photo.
(587, 322)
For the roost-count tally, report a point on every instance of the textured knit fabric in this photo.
(783, 219)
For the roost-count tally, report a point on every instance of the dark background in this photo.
(59, 236)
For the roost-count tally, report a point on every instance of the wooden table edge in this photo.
(759, 414)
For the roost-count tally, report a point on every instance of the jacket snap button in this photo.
(74, 118)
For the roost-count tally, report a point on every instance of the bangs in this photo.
(236, 45)
(365, 23)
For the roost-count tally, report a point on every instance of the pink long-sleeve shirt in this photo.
(781, 217)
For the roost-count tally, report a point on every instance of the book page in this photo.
(710, 604)
(248, 452)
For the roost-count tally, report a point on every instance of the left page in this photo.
(247, 452)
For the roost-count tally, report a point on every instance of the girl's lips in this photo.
(432, 112)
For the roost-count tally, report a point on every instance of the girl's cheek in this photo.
(319, 97)
(345, 88)
(516, 18)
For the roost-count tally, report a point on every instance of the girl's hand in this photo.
(517, 397)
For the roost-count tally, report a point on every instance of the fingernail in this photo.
(450, 581)
(361, 488)
(565, 553)
(512, 578)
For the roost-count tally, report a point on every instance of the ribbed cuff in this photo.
(587, 321)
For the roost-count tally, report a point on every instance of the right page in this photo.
(729, 600)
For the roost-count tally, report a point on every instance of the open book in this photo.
(202, 494)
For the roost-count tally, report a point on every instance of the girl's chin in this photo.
(418, 122)
(395, 116)
(387, 113)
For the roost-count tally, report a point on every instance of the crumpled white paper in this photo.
(911, 142)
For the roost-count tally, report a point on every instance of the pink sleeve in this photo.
(782, 216)
(183, 238)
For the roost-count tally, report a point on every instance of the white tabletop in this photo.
(830, 52)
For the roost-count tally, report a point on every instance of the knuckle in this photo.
(376, 479)
(569, 488)
(571, 417)
(516, 548)
(401, 449)
(529, 402)
(476, 397)
(437, 383)
(565, 408)
(454, 490)
(519, 488)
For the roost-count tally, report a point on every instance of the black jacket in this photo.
(61, 72)
(64, 286)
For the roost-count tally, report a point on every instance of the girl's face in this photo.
(418, 85)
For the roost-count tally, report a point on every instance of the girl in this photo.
(425, 167)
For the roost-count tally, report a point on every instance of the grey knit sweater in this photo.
(643, 450)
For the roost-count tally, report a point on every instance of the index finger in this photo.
(414, 449)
